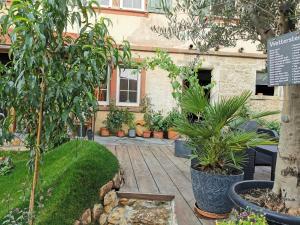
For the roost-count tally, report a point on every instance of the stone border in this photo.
(93, 214)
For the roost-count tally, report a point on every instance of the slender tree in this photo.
(52, 74)
(215, 23)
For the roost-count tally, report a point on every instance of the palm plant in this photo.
(218, 148)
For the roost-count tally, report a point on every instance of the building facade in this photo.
(233, 70)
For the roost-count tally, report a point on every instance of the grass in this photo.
(73, 172)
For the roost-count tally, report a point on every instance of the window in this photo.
(102, 92)
(262, 87)
(128, 87)
(157, 5)
(106, 3)
(133, 4)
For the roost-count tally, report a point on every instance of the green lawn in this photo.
(74, 172)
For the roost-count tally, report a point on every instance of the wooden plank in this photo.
(182, 183)
(129, 176)
(153, 197)
(181, 163)
(185, 215)
(144, 179)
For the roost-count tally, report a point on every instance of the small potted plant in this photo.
(219, 152)
(157, 125)
(114, 121)
(130, 123)
(170, 124)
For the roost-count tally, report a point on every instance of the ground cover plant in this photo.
(70, 178)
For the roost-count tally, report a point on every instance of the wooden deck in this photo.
(155, 169)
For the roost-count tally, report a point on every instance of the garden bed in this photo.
(70, 179)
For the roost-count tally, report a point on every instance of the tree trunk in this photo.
(287, 177)
(37, 155)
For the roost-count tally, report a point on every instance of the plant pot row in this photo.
(146, 134)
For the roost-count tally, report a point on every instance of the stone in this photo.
(294, 212)
(117, 216)
(77, 222)
(103, 219)
(110, 201)
(97, 211)
(151, 216)
(86, 217)
(117, 180)
(105, 189)
(123, 201)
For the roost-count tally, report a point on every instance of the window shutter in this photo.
(157, 5)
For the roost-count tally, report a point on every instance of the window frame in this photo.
(105, 103)
(134, 9)
(118, 103)
(106, 6)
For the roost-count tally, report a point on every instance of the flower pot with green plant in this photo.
(219, 152)
(114, 121)
(129, 120)
(170, 124)
(157, 125)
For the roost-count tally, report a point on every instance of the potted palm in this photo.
(157, 125)
(219, 152)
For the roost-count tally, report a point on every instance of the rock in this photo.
(123, 201)
(110, 201)
(131, 202)
(117, 180)
(117, 216)
(105, 189)
(97, 211)
(86, 217)
(151, 216)
(77, 222)
(103, 219)
(294, 212)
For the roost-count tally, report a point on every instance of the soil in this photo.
(265, 198)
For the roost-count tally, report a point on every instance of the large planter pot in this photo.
(272, 217)
(211, 190)
(131, 133)
(158, 134)
(182, 150)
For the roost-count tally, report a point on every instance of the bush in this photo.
(6, 166)
(72, 173)
(171, 118)
(115, 119)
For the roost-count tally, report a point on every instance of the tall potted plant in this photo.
(115, 120)
(129, 120)
(157, 125)
(219, 151)
(170, 124)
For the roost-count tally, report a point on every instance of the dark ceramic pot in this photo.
(273, 218)
(211, 190)
(182, 150)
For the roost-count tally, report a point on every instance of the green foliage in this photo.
(115, 119)
(171, 118)
(129, 119)
(241, 20)
(70, 173)
(6, 166)
(16, 217)
(157, 122)
(273, 125)
(219, 149)
(5, 134)
(244, 218)
(42, 54)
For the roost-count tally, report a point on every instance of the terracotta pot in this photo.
(158, 134)
(147, 134)
(104, 132)
(120, 133)
(173, 134)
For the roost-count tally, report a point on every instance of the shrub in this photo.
(171, 118)
(115, 119)
(6, 166)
